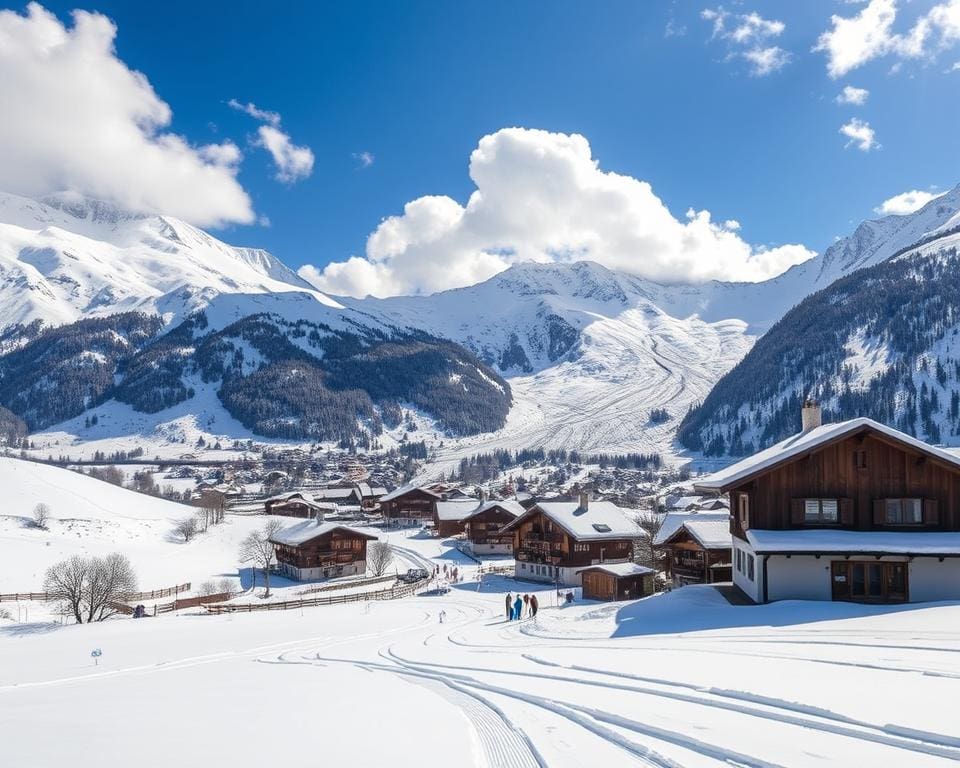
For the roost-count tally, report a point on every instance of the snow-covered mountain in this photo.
(596, 359)
(69, 257)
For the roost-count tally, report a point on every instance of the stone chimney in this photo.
(810, 416)
(584, 494)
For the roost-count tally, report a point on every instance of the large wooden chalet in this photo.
(848, 511)
(484, 527)
(409, 505)
(449, 515)
(297, 504)
(554, 541)
(698, 547)
(314, 549)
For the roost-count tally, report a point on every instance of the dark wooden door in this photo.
(869, 581)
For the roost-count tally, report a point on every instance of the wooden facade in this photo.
(334, 552)
(413, 506)
(599, 584)
(292, 505)
(485, 528)
(538, 539)
(861, 473)
(689, 562)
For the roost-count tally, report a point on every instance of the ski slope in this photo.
(681, 679)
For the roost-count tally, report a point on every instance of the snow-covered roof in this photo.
(684, 502)
(619, 569)
(510, 506)
(456, 510)
(600, 520)
(803, 442)
(403, 489)
(335, 493)
(674, 521)
(318, 505)
(871, 542)
(290, 495)
(309, 529)
(711, 534)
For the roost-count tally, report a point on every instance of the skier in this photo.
(533, 606)
(509, 607)
(517, 607)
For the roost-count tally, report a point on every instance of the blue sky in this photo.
(659, 96)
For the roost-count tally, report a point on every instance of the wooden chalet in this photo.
(698, 547)
(554, 540)
(449, 516)
(409, 505)
(314, 549)
(617, 581)
(484, 527)
(296, 504)
(853, 511)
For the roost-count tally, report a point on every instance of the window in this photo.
(744, 508)
(740, 560)
(820, 511)
(903, 511)
(750, 567)
(860, 459)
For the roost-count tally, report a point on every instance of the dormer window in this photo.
(743, 508)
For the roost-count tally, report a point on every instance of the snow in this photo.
(810, 440)
(620, 569)
(310, 529)
(711, 529)
(600, 520)
(889, 542)
(507, 505)
(405, 489)
(457, 510)
(678, 679)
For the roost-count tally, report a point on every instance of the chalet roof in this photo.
(309, 529)
(507, 505)
(405, 489)
(804, 442)
(601, 520)
(316, 505)
(868, 542)
(290, 495)
(712, 527)
(456, 510)
(619, 569)
(344, 492)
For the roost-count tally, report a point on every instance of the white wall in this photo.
(932, 580)
(800, 577)
(753, 589)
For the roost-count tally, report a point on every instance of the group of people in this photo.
(526, 605)
(450, 573)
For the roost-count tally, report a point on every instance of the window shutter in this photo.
(796, 511)
(931, 515)
(879, 511)
(846, 512)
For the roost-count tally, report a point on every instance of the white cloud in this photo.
(853, 41)
(861, 135)
(365, 159)
(855, 96)
(674, 29)
(748, 36)
(263, 115)
(905, 202)
(77, 118)
(293, 162)
(541, 196)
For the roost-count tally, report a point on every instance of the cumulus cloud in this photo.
(293, 162)
(76, 118)
(861, 135)
(905, 202)
(855, 40)
(855, 96)
(748, 37)
(542, 196)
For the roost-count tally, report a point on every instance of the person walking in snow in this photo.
(526, 604)
(509, 607)
(443, 615)
(533, 606)
(517, 607)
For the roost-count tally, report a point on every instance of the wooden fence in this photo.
(393, 593)
(136, 596)
(348, 584)
(176, 605)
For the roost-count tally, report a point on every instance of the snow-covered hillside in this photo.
(92, 517)
(67, 258)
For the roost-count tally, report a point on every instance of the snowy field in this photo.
(682, 679)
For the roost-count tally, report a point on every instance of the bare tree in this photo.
(41, 516)
(186, 528)
(207, 588)
(644, 553)
(379, 557)
(88, 588)
(259, 549)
